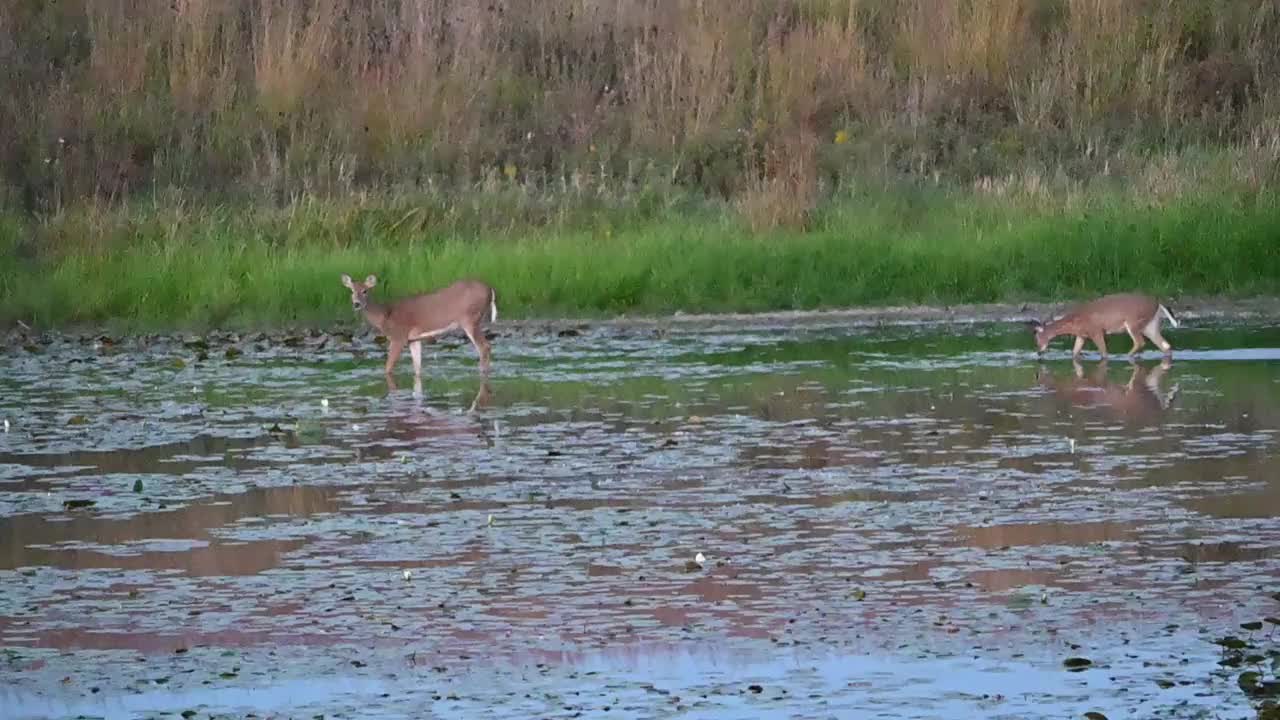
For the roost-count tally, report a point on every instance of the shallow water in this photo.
(895, 522)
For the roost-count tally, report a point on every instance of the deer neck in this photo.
(1062, 326)
(376, 314)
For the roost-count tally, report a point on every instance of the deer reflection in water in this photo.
(414, 421)
(1141, 399)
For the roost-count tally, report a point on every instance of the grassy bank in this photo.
(158, 267)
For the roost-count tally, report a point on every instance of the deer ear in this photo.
(346, 280)
(370, 281)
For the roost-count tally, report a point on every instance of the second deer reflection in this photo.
(1140, 399)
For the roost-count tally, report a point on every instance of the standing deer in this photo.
(1138, 315)
(465, 305)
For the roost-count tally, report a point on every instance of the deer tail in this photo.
(1172, 320)
(493, 305)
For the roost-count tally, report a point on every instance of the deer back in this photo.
(1109, 314)
(463, 302)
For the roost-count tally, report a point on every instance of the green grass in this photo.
(157, 268)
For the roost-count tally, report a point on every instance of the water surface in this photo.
(895, 522)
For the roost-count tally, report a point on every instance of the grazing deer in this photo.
(465, 305)
(1138, 315)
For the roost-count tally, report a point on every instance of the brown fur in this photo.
(1137, 315)
(466, 305)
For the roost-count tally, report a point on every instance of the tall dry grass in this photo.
(763, 101)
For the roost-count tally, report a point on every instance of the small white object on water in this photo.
(6, 424)
(324, 402)
(355, 427)
(700, 559)
(1072, 441)
(490, 519)
(407, 575)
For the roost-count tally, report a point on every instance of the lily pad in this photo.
(1231, 642)
(1076, 664)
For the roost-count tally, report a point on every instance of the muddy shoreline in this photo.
(1262, 309)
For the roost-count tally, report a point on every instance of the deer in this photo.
(1138, 315)
(465, 305)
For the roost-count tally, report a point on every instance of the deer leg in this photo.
(1152, 330)
(476, 336)
(1134, 376)
(1100, 342)
(1099, 376)
(1138, 340)
(1154, 377)
(394, 348)
(482, 396)
(415, 349)
(1075, 351)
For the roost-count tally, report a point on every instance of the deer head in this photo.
(359, 291)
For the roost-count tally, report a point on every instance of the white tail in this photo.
(493, 306)
(410, 320)
(1172, 320)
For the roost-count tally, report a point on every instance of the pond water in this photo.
(912, 521)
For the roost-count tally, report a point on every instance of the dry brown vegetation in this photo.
(764, 102)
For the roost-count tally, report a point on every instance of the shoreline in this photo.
(1266, 308)
(1255, 309)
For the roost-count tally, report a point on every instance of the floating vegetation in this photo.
(839, 506)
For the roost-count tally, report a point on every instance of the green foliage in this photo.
(234, 266)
